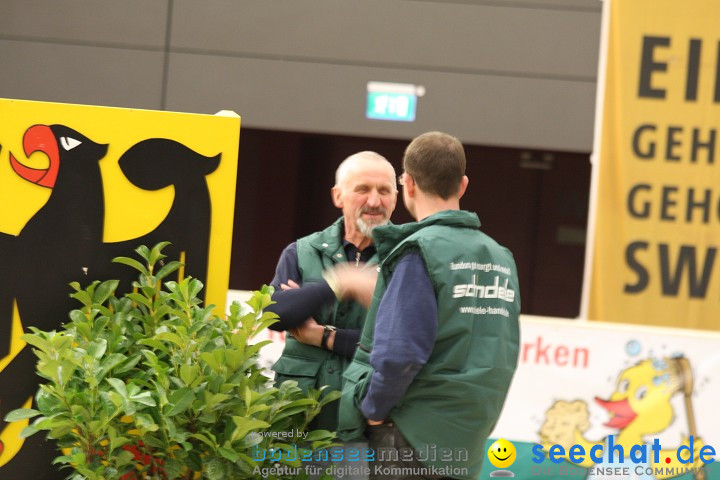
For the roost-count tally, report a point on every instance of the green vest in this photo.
(314, 366)
(453, 403)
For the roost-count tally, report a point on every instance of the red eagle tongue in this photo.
(623, 414)
(39, 138)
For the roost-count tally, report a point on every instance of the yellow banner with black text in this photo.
(657, 225)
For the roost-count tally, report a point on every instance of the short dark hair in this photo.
(436, 161)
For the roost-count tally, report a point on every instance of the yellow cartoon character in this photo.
(639, 408)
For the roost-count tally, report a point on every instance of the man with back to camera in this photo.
(325, 330)
(440, 344)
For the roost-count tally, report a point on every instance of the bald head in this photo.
(359, 161)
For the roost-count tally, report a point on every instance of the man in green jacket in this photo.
(440, 345)
(325, 331)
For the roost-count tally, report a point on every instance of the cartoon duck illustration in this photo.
(639, 408)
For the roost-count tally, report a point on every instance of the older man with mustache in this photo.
(325, 331)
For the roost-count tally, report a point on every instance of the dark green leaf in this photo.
(37, 342)
(97, 348)
(245, 425)
(145, 398)
(104, 290)
(21, 414)
(156, 253)
(83, 297)
(170, 337)
(138, 298)
(205, 439)
(180, 400)
(229, 454)
(28, 431)
(156, 344)
(167, 269)
(188, 373)
(128, 365)
(215, 469)
(119, 387)
(131, 262)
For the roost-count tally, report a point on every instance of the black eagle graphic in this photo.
(63, 242)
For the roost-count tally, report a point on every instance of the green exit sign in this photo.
(392, 101)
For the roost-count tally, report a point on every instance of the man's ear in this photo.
(409, 186)
(463, 186)
(336, 194)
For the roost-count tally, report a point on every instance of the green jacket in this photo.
(453, 403)
(314, 366)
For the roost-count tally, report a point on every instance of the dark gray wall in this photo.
(504, 73)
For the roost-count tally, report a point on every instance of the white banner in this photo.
(574, 377)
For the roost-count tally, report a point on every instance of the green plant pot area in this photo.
(152, 384)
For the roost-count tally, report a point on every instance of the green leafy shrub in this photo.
(151, 384)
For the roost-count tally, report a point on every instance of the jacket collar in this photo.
(330, 240)
(387, 237)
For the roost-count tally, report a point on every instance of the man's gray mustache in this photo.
(373, 211)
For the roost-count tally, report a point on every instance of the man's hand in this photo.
(310, 333)
(290, 285)
(351, 282)
(375, 422)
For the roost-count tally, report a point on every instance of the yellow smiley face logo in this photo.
(501, 453)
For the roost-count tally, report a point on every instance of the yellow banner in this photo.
(657, 224)
(82, 185)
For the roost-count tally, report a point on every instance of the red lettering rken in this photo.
(540, 352)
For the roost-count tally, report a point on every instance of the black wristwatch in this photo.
(326, 334)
